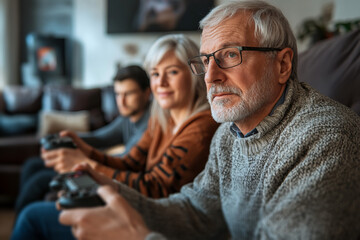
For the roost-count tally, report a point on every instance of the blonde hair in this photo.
(184, 48)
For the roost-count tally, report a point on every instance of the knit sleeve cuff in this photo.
(155, 236)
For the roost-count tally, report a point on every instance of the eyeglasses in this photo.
(227, 57)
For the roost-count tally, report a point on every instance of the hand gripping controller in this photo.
(80, 190)
(54, 141)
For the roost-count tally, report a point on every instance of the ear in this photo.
(147, 93)
(284, 58)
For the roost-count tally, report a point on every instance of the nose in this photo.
(162, 80)
(214, 72)
(122, 99)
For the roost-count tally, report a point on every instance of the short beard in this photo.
(250, 102)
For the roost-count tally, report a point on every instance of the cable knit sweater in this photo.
(298, 178)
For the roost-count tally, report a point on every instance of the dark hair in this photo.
(134, 72)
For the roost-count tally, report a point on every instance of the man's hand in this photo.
(116, 220)
(80, 144)
(64, 159)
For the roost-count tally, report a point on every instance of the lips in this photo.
(164, 94)
(221, 95)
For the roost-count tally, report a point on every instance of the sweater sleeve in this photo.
(318, 193)
(194, 213)
(135, 161)
(107, 136)
(180, 162)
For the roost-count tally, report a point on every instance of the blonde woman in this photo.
(175, 147)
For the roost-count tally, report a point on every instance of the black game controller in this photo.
(54, 141)
(80, 190)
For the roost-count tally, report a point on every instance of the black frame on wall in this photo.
(49, 56)
(131, 16)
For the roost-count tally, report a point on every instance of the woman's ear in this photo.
(284, 58)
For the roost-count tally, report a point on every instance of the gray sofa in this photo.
(333, 68)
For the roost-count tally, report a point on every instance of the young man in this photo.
(132, 90)
(283, 165)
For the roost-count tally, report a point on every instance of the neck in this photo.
(179, 116)
(136, 117)
(249, 123)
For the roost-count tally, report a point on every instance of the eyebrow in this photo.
(170, 66)
(228, 44)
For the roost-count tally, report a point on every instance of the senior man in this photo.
(283, 165)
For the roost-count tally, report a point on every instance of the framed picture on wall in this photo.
(127, 16)
(49, 56)
(46, 59)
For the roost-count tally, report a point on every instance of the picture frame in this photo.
(133, 16)
(48, 55)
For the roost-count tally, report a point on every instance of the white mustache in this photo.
(216, 89)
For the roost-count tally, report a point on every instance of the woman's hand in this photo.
(83, 146)
(116, 220)
(98, 177)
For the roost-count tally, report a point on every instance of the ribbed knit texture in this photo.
(298, 178)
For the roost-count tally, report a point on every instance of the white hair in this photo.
(272, 29)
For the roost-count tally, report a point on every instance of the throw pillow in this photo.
(55, 121)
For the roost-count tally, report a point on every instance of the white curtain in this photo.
(8, 42)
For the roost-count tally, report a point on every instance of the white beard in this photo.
(250, 102)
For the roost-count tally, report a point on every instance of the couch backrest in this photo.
(2, 103)
(21, 100)
(63, 98)
(20, 106)
(333, 68)
(108, 103)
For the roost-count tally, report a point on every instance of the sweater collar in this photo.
(236, 131)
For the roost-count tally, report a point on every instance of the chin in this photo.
(125, 114)
(165, 105)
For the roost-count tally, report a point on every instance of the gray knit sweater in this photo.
(298, 178)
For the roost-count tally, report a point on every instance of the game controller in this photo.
(54, 141)
(79, 190)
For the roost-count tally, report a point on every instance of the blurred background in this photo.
(88, 38)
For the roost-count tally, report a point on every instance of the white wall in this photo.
(8, 43)
(100, 52)
(346, 10)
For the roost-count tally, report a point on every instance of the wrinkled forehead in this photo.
(237, 30)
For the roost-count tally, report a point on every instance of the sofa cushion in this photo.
(66, 98)
(19, 99)
(17, 124)
(55, 121)
(333, 68)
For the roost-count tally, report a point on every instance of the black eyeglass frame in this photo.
(240, 48)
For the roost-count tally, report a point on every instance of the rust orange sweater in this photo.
(161, 162)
